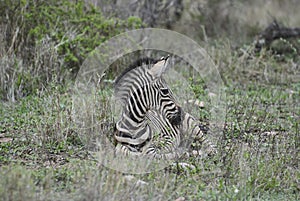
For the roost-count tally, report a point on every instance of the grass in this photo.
(43, 156)
(259, 150)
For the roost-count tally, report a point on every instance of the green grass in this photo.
(258, 160)
(43, 155)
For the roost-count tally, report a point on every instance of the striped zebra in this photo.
(152, 123)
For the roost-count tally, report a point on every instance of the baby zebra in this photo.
(152, 123)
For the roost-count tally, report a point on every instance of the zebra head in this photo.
(142, 87)
(166, 103)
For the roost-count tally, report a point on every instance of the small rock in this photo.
(131, 179)
(141, 183)
(211, 94)
(5, 140)
(187, 166)
(195, 102)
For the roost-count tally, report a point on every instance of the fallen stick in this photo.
(274, 32)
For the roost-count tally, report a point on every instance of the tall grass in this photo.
(42, 156)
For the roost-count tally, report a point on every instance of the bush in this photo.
(43, 39)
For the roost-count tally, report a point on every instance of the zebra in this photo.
(152, 122)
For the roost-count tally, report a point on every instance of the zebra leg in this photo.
(151, 152)
(192, 132)
(125, 150)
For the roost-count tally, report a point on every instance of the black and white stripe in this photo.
(152, 123)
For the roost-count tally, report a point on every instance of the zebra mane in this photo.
(136, 64)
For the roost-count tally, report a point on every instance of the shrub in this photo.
(49, 38)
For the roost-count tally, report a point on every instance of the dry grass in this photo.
(42, 156)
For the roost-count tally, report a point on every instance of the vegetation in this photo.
(43, 40)
(42, 156)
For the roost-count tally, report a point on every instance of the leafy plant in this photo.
(50, 38)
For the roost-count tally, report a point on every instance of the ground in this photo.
(42, 156)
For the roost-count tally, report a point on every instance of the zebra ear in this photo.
(158, 68)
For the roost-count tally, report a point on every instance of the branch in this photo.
(274, 32)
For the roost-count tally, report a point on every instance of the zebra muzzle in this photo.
(176, 119)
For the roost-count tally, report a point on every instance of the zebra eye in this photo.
(165, 91)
